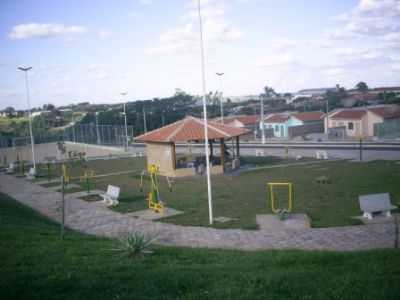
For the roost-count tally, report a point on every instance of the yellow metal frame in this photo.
(88, 174)
(154, 204)
(271, 186)
(65, 174)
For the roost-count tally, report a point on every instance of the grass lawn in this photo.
(36, 264)
(242, 197)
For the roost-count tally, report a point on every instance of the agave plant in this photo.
(134, 244)
(283, 214)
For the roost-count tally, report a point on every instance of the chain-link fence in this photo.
(98, 134)
(387, 129)
(112, 135)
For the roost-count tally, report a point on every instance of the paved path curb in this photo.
(95, 218)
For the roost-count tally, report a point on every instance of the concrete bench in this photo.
(321, 154)
(110, 198)
(31, 174)
(11, 168)
(375, 203)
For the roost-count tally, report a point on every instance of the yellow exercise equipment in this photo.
(86, 177)
(153, 197)
(271, 186)
(65, 174)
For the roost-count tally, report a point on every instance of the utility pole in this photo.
(97, 129)
(144, 120)
(327, 116)
(221, 97)
(126, 126)
(262, 120)
(26, 69)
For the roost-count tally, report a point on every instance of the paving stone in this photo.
(95, 218)
(149, 214)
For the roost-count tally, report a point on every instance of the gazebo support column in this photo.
(237, 147)
(222, 154)
(210, 142)
(173, 155)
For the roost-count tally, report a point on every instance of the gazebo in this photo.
(161, 147)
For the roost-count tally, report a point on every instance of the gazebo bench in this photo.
(375, 203)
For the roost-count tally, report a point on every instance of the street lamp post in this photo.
(209, 193)
(220, 100)
(262, 120)
(126, 126)
(97, 129)
(327, 116)
(26, 69)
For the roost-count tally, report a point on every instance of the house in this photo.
(283, 124)
(359, 122)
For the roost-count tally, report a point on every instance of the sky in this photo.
(86, 50)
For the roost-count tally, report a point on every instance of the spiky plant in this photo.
(283, 214)
(134, 244)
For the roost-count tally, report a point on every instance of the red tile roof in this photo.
(353, 114)
(190, 129)
(386, 112)
(309, 116)
(245, 120)
(277, 118)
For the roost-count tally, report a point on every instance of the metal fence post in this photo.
(62, 207)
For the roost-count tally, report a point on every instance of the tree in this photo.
(362, 87)
(9, 111)
(268, 92)
(49, 107)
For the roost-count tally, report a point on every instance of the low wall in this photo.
(306, 129)
(44, 151)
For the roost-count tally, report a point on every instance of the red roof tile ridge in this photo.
(154, 130)
(214, 128)
(178, 128)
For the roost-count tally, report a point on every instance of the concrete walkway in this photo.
(95, 218)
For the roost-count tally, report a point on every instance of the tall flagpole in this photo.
(210, 212)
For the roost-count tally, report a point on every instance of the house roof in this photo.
(353, 114)
(190, 129)
(387, 89)
(245, 120)
(277, 118)
(309, 116)
(386, 112)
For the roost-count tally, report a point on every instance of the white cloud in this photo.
(284, 44)
(35, 30)
(104, 34)
(275, 60)
(368, 18)
(146, 2)
(185, 37)
(355, 54)
(333, 72)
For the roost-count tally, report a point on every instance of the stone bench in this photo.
(110, 198)
(375, 203)
(322, 154)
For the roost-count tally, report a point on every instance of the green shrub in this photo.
(134, 244)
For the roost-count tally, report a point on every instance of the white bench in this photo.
(374, 203)
(31, 174)
(110, 198)
(322, 154)
(259, 153)
(11, 168)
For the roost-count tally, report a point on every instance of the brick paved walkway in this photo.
(94, 218)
